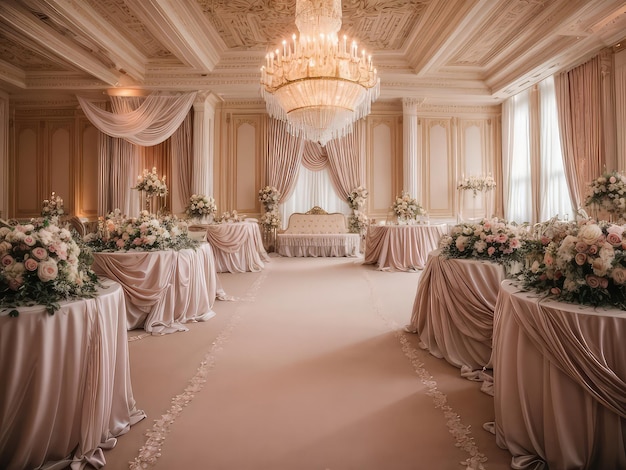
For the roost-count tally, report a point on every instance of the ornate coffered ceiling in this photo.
(447, 51)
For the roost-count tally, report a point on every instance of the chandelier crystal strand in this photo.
(318, 84)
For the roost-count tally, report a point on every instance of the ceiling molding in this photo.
(12, 75)
(26, 23)
(182, 28)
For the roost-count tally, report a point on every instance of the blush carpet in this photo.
(308, 368)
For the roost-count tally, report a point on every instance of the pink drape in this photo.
(343, 156)
(579, 101)
(346, 160)
(182, 153)
(284, 157)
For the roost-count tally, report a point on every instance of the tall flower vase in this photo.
(472, 206)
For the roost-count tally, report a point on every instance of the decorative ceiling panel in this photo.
(510, 20)
(25, 58)
(263, 24)
(122, 19)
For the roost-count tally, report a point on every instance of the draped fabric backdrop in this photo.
(579, 100)
(133, 124)
(182, 153)
(308, 174)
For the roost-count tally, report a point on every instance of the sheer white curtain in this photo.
(312, 188)
(142, 121)
(516, 170)
(554, 193)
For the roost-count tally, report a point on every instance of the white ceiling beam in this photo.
(27, 24)
(11, 74)
(182, 28)
(83, 19)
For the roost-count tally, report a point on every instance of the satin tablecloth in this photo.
(237, 247)
(559, 382)
(401, 247)
(65, 391)
(164, 289)
(453, 310)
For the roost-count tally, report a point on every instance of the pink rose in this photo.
(555, 291)
(614, 239)
(612, 180)
(580, 258)
(604, 282)
(7, 260)
(545, 240)
(39, 253)
(119, 243)
(593, 249)
(491, 250)
(29, 240)
(47, 271)
(31, 264)
(581, 247)
(592, 281)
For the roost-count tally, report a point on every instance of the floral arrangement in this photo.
(407, 208)
(150, 183)
(586, 266)
(477, 183)
(357, 198)
(271, 219)
(117, 232)
(230, 217)
(200, 206)
(357, 222)
(490, 239)
(52, 207)
(608, 192)
(269, 196)
(41, 264)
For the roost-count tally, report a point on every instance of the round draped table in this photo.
(453, 310)
(559, 383)
(401, 247)
(66, 392)
(164, 289)
(238, 247)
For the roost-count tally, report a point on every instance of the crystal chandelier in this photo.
(318, 84)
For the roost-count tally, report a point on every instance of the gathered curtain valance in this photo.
(151, 122)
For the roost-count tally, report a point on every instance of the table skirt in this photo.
(66, 392)
(237, 247)
(559, 383)
(453, 310)
(401, 247)
(318, 245)
(164, 289)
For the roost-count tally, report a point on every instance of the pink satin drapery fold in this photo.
(559, 382)
(66, 391)
(157, 285)
(238, 247)
(453, 309)
(401, 247)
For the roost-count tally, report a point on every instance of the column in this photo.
(620, 109)
(203, 143)
(411, 168)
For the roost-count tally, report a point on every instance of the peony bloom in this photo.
(590, 233)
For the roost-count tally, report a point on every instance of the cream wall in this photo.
(56, 149)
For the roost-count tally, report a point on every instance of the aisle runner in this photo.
(312, 379)
(151, 450)
(461, 433)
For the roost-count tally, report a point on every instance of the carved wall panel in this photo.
(384, 164)
(438, 167)
(246, 166)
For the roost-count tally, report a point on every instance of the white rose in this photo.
(589, 233)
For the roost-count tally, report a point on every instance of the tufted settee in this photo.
(317, 233)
